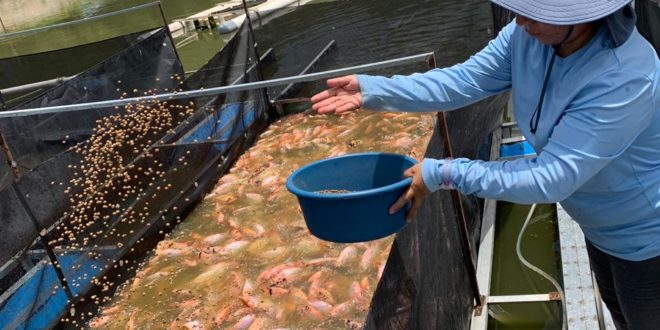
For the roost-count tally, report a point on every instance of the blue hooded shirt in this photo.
(598, 138)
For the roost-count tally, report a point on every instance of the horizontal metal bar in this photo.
(513, 139)
(191, 143)
(526, 298)
(33, 86)
(73, 250)
(216, 90)
(52, 82)
(293, 100)
(509, 124)
(87, 19)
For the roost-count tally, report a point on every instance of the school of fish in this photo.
(244, 259)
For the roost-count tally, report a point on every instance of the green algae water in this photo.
(510, 277)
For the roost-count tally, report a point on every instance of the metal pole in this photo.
(34, 86)
(216, 90)
(44, 240)
(4, 29)
(10, 158)
(468, 256)
(253, 40)
(3, 105)
(169, 33)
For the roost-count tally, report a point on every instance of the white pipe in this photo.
(256, 13)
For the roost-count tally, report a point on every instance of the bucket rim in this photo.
(351, 195)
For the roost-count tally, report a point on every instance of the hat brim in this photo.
(563, 12)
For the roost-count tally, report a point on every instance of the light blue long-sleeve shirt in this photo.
(598, 138)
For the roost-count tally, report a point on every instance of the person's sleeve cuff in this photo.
(436, 174)
(367, 88)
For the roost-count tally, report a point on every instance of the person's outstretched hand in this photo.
(415, 193)
(343, 94)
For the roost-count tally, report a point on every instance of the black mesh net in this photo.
(648, 21)
(145, 67)
(127, 176)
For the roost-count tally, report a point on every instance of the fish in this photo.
(194, 325)
(244, 323)
(254, 198)
(236, 284)
(222, 315)
(346, 256)
(99, 321)
(277, 291)
(311, 313)
(321, 306)
(212, 273)
(368, 257)
(341, 309)
(220, 218)
(285, 276)
(213, 240)
(234, 247)
(130, 325)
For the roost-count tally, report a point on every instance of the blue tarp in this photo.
(36, 304)
(517, 149)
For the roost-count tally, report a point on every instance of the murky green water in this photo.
(19, 15)
(511, 277)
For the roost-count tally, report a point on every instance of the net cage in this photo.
(424, 282)
(85, 203)
(145, 59)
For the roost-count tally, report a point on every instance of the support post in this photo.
(4, 29)
(468, 256)
(253, 41)
(3, 105)
(169, 33)
(10, 158)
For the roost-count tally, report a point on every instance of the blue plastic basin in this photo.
(374, 181)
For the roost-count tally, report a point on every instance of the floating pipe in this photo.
(257, 13)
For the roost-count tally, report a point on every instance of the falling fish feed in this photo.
(243, 259)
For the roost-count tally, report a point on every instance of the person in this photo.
(586, 93)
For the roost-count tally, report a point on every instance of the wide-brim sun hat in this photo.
(563, 12)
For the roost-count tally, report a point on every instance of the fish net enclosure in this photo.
(85, 192)
(247, 260)
(93, 202)
(143, 59)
